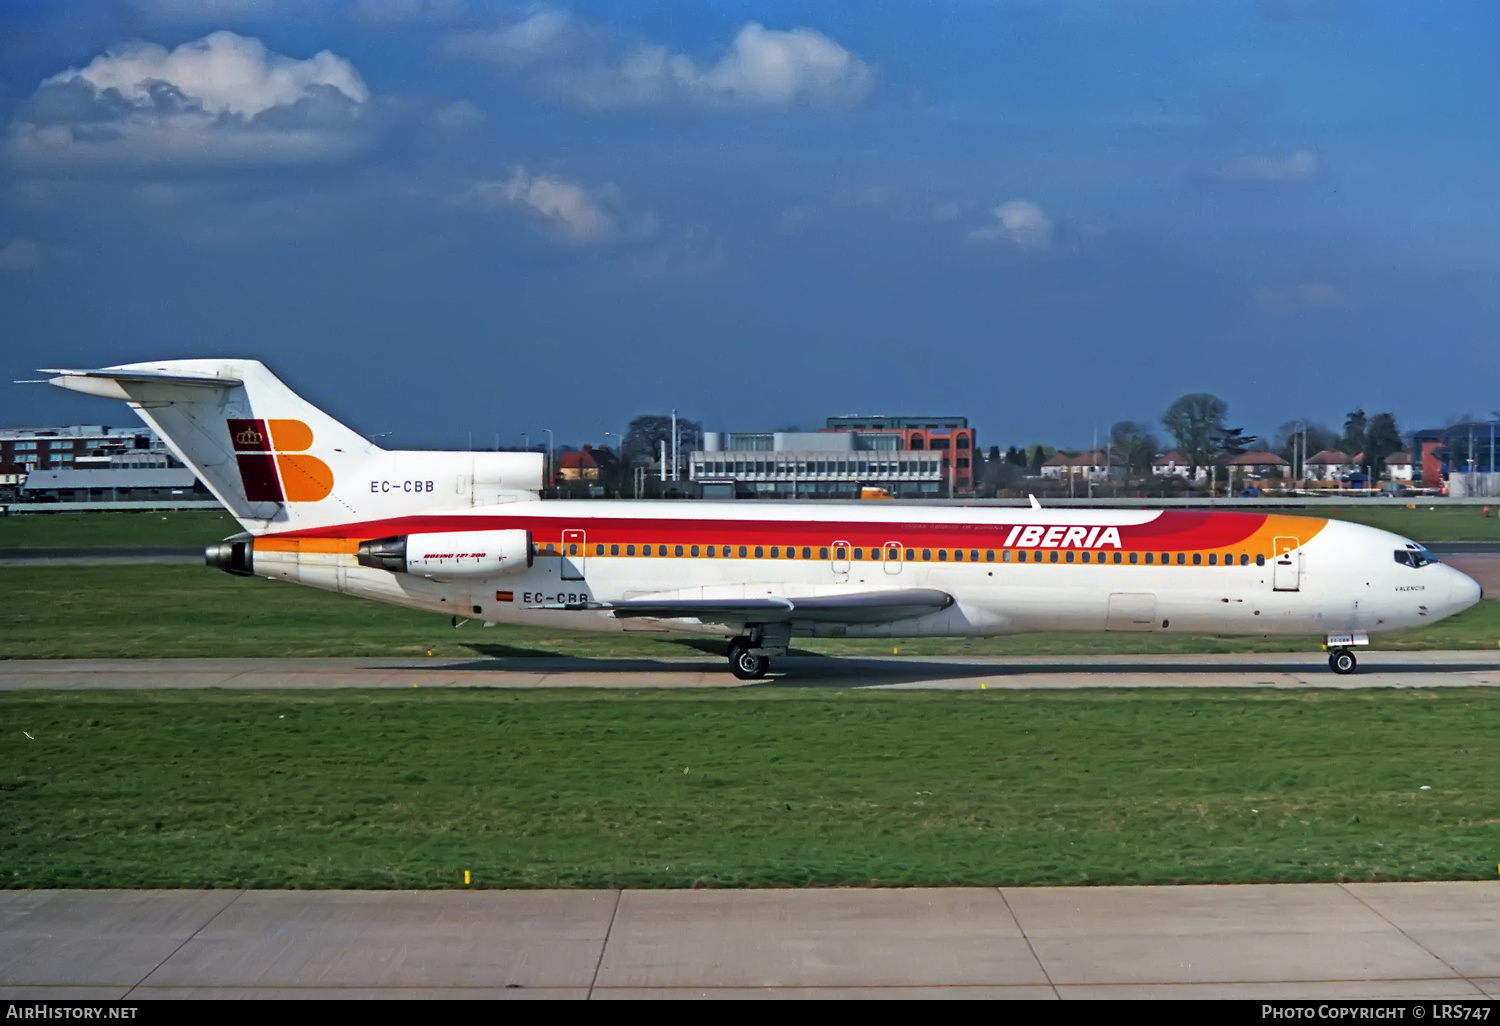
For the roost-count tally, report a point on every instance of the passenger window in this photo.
(911, 555)
(1181, 558)
(974, 556)
(958, 555)
(759, 552)
(1070, 555)
(859, 553)
(1166, 557)
(1053, 556)
(630, 550)
(661, 550)
(1132, 557)
(926, 555)
(1260, 559)
(775, 552)
(823, 552)
(1005, 556)
(1244, 559)
(614, 550)
(840, 553)
(645, 550)
(694, 550)
(989, 555)
(710, 552)
(572, 548)
(598, 550)
(1021, 556)
(1197, 559)
(743, 551)
(1150, 558)
(1084, 558)
(1117, 558)
(1213, 559)
(942, 555)
(791, 552)
(551, 549)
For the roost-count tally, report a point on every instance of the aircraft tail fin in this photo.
(278, 463)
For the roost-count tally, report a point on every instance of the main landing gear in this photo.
(1341, 660)
(750, 653)
(744, 663)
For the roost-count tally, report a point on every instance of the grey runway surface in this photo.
(1275, 670)
(1309, 941)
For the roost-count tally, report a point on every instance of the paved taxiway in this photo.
(1276, 670)
(1417, 940)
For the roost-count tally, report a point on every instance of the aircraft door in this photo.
(574, 553)
(841, 561)
(1286, 568)
(893, 557)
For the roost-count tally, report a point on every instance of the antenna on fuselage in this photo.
(1034, 503)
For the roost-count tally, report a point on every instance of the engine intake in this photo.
(450, 555)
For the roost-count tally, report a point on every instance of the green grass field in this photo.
(745, 788)
(70, 530)
(135, 611)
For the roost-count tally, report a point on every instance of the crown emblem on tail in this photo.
(249, 436)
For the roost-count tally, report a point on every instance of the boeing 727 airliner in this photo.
(465, 534)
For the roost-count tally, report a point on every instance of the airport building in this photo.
(908, 457)
(92, 463)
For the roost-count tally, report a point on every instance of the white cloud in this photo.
(567, 210)
(1021, 222)
(761, 68)
(459, 115)
(1313, 294)
(539, 36)
(224, 97)
(19, 255)
(1297, 166)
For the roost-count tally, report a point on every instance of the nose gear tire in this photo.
(1342, 661)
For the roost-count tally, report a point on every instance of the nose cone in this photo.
(1463, 590)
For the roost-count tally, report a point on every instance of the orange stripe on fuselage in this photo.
(1173, 530)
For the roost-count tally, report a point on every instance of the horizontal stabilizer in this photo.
(866, 607)
(121, 374)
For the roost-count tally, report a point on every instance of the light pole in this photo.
(548, 432)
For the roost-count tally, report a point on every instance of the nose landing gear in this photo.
(1341, 660)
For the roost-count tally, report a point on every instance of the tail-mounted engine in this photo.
(450, 555)
(233, 555)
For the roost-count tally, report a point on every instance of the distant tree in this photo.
(1196, 421)
(1234, 442)
(1318, 436)
(1036, 456)
(1134, 443)
(645, 434)
(1015, 456)
(1382, 439)
(1354, 433)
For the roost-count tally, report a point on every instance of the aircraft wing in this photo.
(886, 606)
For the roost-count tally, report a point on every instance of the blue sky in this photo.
(434, 217)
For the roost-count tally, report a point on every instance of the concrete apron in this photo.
(1392, 941)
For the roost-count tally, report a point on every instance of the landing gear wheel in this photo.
(1342, 661)
(743, 664)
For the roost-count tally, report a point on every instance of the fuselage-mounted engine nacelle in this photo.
(449, 556)
(233, 555)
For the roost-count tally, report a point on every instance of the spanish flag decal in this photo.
(273, 465)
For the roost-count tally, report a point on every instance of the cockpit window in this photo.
(1414, 556)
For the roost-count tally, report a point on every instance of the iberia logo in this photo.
(273, 464)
